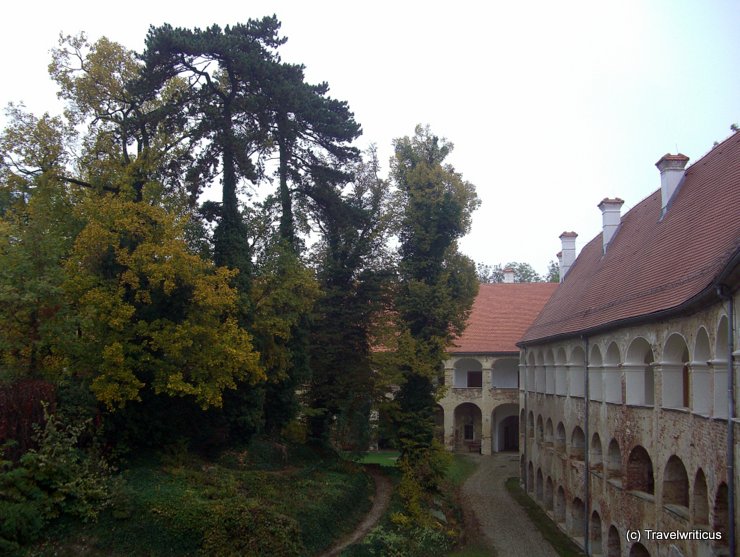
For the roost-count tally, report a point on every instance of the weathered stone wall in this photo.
(659, 464)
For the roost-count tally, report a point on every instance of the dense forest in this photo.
(195, 253)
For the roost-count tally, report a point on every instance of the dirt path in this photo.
(502, 523)
(382, 497)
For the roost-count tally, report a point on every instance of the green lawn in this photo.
(384, 458)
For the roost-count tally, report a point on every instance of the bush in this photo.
(52, 480)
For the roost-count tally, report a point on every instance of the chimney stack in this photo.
(671, 174)
(611, 216)
(568, 257)
(508, 274)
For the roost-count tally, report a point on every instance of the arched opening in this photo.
(676, 485)
(561, 373)
(439, 423)
(530, 477)
(560, 438)
(530, 425)
(522, 468)
(577, 444)
(640, 471)
(577, 514)
(468, 374)
(576, 385)
(539, 373)
(596, 458)
(505, 428)
(613, 543)
(596, 375)
(638, 373)
(720, 370)
(540, 430)
(548, 494)
(538, 492)
(468, 423)
(612, 375)
(505, 374)
(548, 432)
(675, 373)
(560, 505)
(638, 550)
(595, 534)
(721, 518)
(701, 381)
(614, 460)
(549, 372)
(701, 499)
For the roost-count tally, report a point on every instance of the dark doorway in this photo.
(510, 430)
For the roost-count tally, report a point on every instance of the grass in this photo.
(179, 505)
(562, 544)
(460, 469)
(386, 459)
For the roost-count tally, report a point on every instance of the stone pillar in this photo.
(486, 408)
(449, 427)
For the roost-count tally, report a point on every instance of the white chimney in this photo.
(508, 274)
(568, 257)
(671, 173)
(611, 216)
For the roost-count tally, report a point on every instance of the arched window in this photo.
(612, 375)
(614, 460)
(675, 373)
(638, 373)
(538, 492)
(468, 373)
(614, 543)
(701, 499)
(577, 514)
(676, 484)
(548, 494)
(548, 432)
(549, 372)
(596, 459)
(640, 471)
(577, 444)
(540, 430)
(701, 380)
(595, 375)
(560, 438)
(575, 372)
(561, 373)
(595, 534)
(560, 505)
(638, 550)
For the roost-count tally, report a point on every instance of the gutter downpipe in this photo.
(587, 448)
(526, 417)
(722, 292)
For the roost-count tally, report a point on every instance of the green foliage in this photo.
(150, 313)
(523, 272)
(437, 283)
(248, 529)
(55, 479)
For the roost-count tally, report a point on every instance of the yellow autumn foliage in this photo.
(151, 313)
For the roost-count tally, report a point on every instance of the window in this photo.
(475, 379)
(468, 432)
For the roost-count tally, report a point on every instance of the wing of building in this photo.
(629, 371)
(480, 410)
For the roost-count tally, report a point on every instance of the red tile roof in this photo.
(653, 265)
(501, 313)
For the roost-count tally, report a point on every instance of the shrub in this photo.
(49, 481)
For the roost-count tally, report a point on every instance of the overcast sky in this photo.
(552, 106)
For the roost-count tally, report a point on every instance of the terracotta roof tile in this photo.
(500, 315)
(653, 264)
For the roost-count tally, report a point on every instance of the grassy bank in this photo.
(244, 503)
(562, 544)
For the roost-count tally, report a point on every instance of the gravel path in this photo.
(502, 523)
(382, 497)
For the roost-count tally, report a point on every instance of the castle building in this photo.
(480, 409)
(628, 375)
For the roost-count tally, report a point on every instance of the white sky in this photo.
(552, 106)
